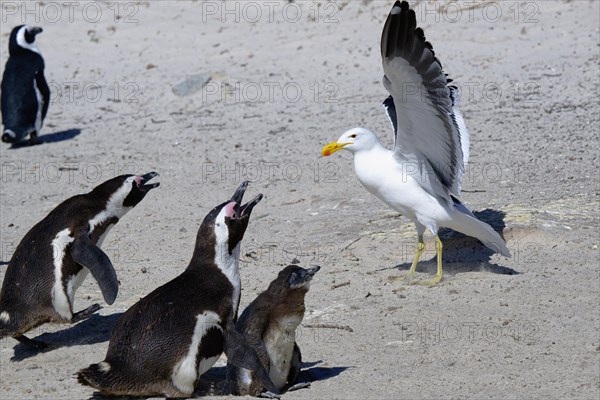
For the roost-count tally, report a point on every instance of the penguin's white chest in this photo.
(229, 266)
(60, 301)
(185, 371)
(396, 184)
(279, 341)
(40, 106)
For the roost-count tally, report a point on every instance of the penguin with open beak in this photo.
(56, 255)
(166, 341)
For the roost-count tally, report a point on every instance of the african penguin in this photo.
(25, 94)
(166, 341)
(55, 256)
(269, 324)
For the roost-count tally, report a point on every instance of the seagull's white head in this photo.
(353, 140)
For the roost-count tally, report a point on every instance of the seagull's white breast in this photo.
(392, 181)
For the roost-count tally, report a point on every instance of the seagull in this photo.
(420, 177)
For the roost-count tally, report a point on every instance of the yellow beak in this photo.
(332, 148)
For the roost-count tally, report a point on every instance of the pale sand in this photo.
(288, 89)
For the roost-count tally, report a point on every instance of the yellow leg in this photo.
(413, 267)
(438, 275)
(411, 272)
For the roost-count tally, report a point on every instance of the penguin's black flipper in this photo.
(42, 85)
(85, 314)
(296, 362)
(252, 329)
(90, 256)
(240, 354)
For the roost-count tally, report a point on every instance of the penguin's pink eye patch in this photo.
(138, 179)
(230, 209)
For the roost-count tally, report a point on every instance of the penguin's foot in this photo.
(269, 395)
(33, 139)
(298, 386)
(85, 314)
(32, 343)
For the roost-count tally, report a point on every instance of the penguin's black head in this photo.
(227, 222)
(22, 38)
(294, 277)
(124, 192)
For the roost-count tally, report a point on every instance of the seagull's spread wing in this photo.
(429, 129)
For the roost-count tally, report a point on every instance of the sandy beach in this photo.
(210, 93)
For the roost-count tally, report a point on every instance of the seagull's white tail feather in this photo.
(471, 226)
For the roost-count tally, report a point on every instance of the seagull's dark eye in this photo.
(353, 136)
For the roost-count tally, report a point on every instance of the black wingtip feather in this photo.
(401, 22)
(394, 37)
(396, 29)
(402, 38)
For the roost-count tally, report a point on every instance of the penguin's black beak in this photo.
(239, 193)
(145, 178)
(301, 277)
(312, 271)
(247, 208)
(35, 30)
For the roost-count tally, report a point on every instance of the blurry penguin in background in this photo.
(25, 94)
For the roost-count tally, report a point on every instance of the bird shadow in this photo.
(101, 396)
(95, 329)
(462, 253)
(214, 379)
(50, 138)
(311, 373)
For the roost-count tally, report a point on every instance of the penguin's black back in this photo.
(73, 213)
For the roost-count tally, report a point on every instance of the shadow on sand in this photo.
(50, 138)
(311, 373)
(213, 380)
(463, 253)
(95, 329)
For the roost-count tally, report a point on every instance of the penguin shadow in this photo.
(213, 380)
(211, 384)
(100, 396)
(95, 329)
(50, 138)
(463, 253)
(311, 373)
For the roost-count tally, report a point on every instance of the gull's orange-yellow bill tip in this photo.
(332, 148)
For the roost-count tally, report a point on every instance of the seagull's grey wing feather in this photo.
(429, 127)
